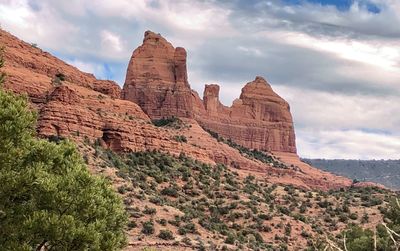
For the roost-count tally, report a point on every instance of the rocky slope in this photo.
(183, 204)
(35, 72)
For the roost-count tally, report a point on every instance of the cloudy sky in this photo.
(337, 62)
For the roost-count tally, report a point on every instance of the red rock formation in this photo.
(157, 79)
(259, 119)
(107, 87)
(74, 111)
(25, 62)
(83, 107)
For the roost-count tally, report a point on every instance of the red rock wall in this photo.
(24, 62)
(259, 119)
(156, 79)
(82, 106)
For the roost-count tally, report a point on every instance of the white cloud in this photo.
(351, 144)
(339, 126)
(378, 53)
(89, 67)
(250, 51)
(16, 14)
(329, 111)
(110, 42)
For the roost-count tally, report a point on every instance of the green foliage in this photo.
(58, 78)
(148, 227)
(61, 76)
(180, 138)
(393, 212)
(187, 228)
(149, 210)
(17, 127)
(166, 235)
(359, 239)
(170, 191)
(48, 197)
(171, 122)
(230, 239)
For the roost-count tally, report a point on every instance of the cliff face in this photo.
(259, 119)
(157, 80)
(76, 105)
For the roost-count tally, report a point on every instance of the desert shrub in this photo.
(148, 227)
(170, 191)
(230, 239)
(353, 216)
(172, 122)
(180, 138)
(166, 235)
(149, 210)
(187, 228)
(58, 78)
(132, 224)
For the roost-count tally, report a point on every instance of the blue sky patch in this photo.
(342, 5)
(372, 8)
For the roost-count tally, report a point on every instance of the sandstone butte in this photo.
(74, 104)
(157, 81)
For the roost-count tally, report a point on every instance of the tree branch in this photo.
(41, 245)
(344, 242)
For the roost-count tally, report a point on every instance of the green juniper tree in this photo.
(48, 198)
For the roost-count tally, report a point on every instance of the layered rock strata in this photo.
(156, 79)
(259, 119)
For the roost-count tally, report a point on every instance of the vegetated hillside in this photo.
(178, 203)
(385, 172)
